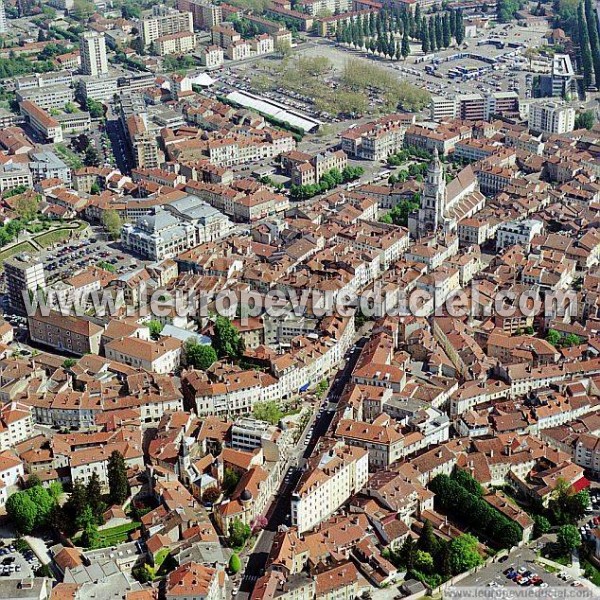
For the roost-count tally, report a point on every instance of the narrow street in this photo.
(279, 509)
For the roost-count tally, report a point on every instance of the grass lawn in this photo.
(113, 535)
(72, 159)
(58, 235)
(22, 247)
(591, 572)
(116, 535)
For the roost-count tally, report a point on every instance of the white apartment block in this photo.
(54, 96)
(164, 21)
(341, 472)
(14, 175)
(11, 470)
(175, 43)
(212, 57)
(551, 118)
(16, 426)
(93, 54)
(517, 233)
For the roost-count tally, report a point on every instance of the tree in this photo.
(553, 337)
(585, 120)
(406, 554)
(95, 108)
(425, 45)
(32, 481)
(467, 481)
(155, 328)
(568, 538)
(460, 28)
(235, 564)
(27, 206)
(94, 496)
(117, 478)
(566, 506)
(427, 540)
(268, 411)
(94, 189)
(541, 525)
(211, 495)
(92, 157)
(43, 503)
(405, 49)
(446, 33)
(592, 23)
(423, 561)
(239, 532)
(75, 506)
(584, 47)
(464, 554)
(21, 511)
(90, 537)
(227, 341)
(200, 356)
(83, 9)
(230, 480)
(571, 339)
(111, 221)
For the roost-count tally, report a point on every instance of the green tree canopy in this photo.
(199, 356)
(464, 554)
(235, 564)
(112, 223)
(227, 340)
(568, 538)
(268, 411)
(117, 478)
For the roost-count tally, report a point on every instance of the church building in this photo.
(443, 206)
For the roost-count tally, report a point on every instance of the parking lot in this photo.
(526, 573)
(15, 565)
(68, 259)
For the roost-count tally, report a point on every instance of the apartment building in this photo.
(306, 169)
(212, 57)
(382, 439)
(518, 233)
(205, 15)
(194, 581)
(331, 478)
(442, 108)
(378, 139)
(175, 43)
(11, 471)
(47, 165)
(47, 97)
(93, 54)
(238, 50)
(551, 118)
(42, 122)
(24, 275)
(164, 21)
(587, 452)
(16, 425)
(162, 356)
(471, 107)
(13, 175)
(143, 143)
(73, 335)
(85, 462)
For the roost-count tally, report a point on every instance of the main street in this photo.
(279, 510)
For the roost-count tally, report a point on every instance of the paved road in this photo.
(279, 510)
(118, 142)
